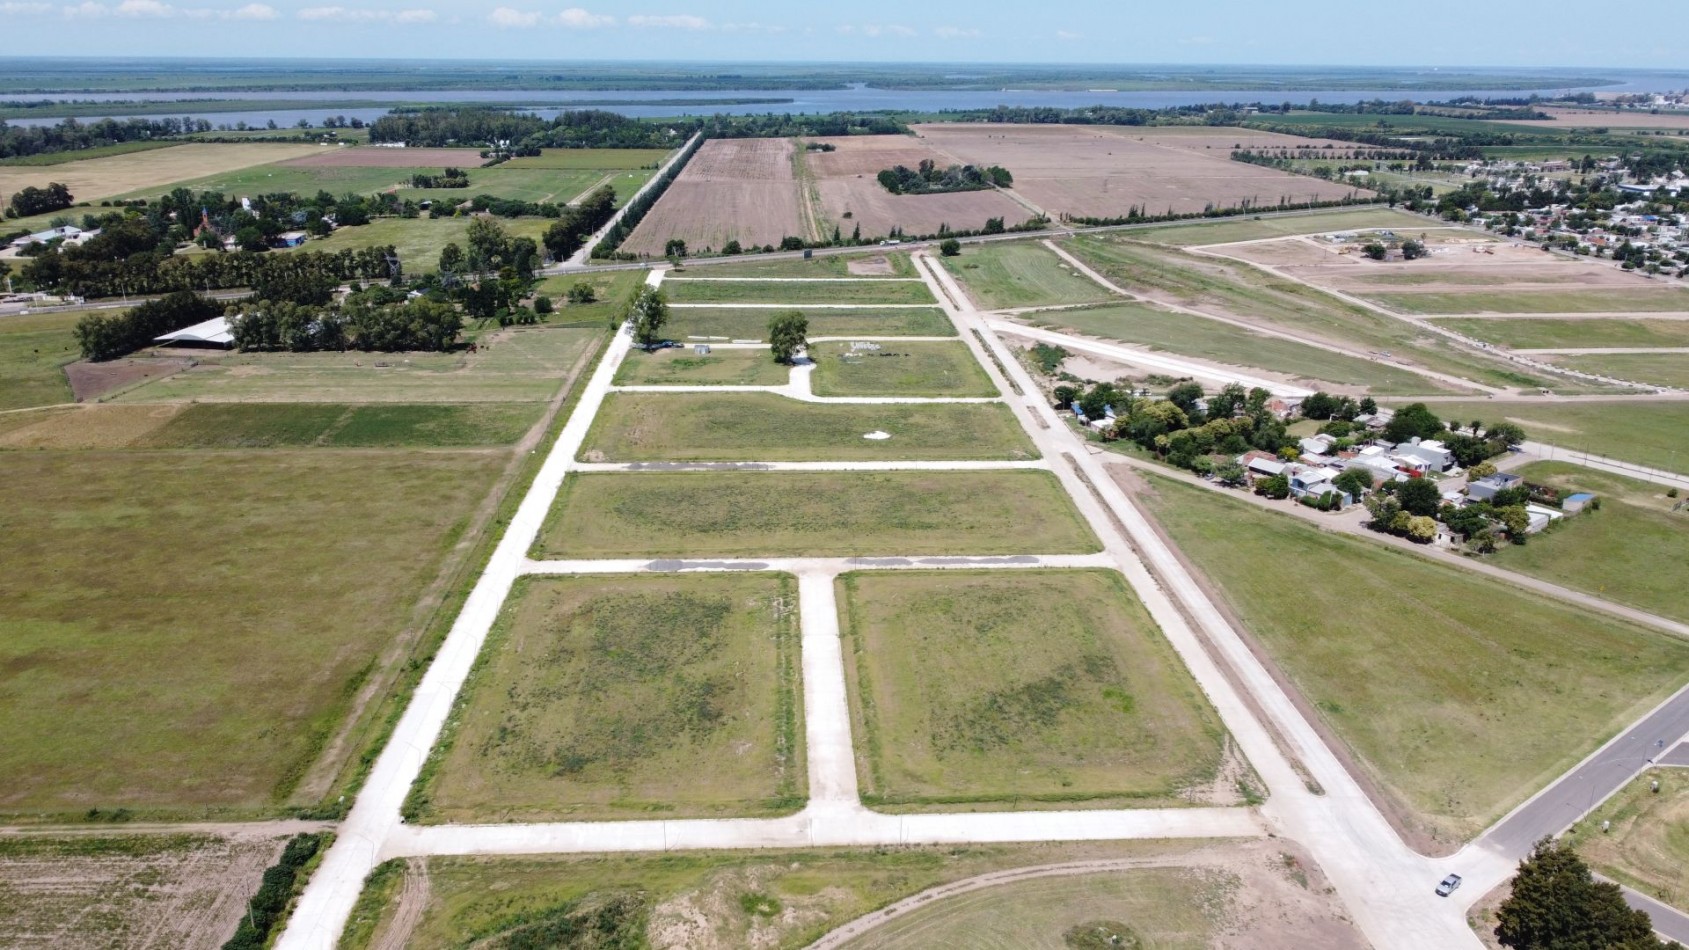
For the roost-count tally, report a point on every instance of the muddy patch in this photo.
(92, 380)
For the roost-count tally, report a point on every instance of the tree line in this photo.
(641, 204)
(927, 178)
(78, 271)
(18, 141)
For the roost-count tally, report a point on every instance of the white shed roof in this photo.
(216, 330)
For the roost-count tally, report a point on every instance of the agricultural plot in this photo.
(1457, 714)
(1007, 274)
(762, 427)
(257, 179)
(34, 349)
(898, 369)
(150, 171)
(862, 293)
(613, 697)
(153, 891)
(1245, 228)
(1647, 843)
(1018, 687)
(729, 323)
(556, 185)
(846, 194)
(1543, 333)
(593, 159)
(719, 367)
(1654, 369)
(379, 157)
(1224, 343)
(1106, 172)
(1644, 433)
(249, 425)
(732, 189)
(768, 514)
(166, 584)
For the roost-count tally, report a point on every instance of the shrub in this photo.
(950, 247)
(542, 304)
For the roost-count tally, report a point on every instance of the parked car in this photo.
(1448, 885)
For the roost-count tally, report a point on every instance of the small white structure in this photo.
(213, 332)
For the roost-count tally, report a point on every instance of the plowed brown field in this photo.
(732, 189)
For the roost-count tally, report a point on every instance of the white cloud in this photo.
(954, 33)
(355, 15)
(505, 16)
(148, 9)
(414, 16)
(877, 29)
(24, 9)
(1068, 35)
(255, 11)
(682, 21)
(577, 19)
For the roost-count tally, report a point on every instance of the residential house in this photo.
(1484, 489)
(1434, 454)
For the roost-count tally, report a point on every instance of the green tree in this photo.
(788, 333)
(1356, 481)
(451, 259)
(1375, 250)
(950, 247)
(647, 311)
(1413, 421)
(581, 292)
(1556, 904)
(1228, 473)
(1276, 486)
(1419, 496)
(1510, 433)
(674, 248)
(1422, 529)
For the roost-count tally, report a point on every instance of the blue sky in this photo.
(1424, 32)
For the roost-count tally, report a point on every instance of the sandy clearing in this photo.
(96, 178)
(373, 157)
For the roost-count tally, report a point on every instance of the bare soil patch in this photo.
(372, 157)
(1595, 119)
(93, 380)
(878, 211)
(1458, 263)
(732, 189)
(870, 267)
(91, 427)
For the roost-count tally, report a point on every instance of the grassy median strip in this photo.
(763, 427)
(1536, 301)
(1462, 695)
(1019, 686)
(1547, 332)
(619, 697)
(821, 514)
(898, 369)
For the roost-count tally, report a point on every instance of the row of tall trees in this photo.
(19, 141)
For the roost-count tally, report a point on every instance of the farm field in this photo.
(1209, 339)
(1615, 553)
(729, 323)
(827, 265)
(1249, 228)
(621, 697)
(682, 367)
(762, 427)
(1643, 433)
(286, 176)
(155, 891)
(1239, 291)
(1655, 369)
(1661, 300)
(791, 514)
(845, 193)
(418, 242)
(1006, 274)
(865, 293)
(1458, 715)
(523, 364)
(593, 159)
(787, 899)
(899, 369)
(1543, 333)
(180, 606)
(381, 157)
(732, 189)
(1648, 844)
(1106, 172)
(248, 425)
(1017, 687)
(33, 352)
(1566, 118)
(95, 178)
(556, 185)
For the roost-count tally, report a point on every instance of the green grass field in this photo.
(762, 427)
(1663, 299)
(522, 364)
(827, 265)
(1461, 695)
(863, 293)
(227, 605)
(622, 697)
(733, 324)
(33, 352)
(721, 901)
(556, 185)
(417, 241)
(1547, 332)
(1644, 433)
(1253, 229)
(1617, 553)
(1241, 291)
(790, 514)
(591, 159)
(302, 179)
(1209, 339)
(682, 367)
(899, 369)
(1015, 686)
(260, 425)
(1655, 369)
(1647, 846)
(1006, 274)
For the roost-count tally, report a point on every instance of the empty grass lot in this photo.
(863, 293)
(822, 514)
(302, 179)
(181, 631)
(827, 265)
(1547, 332)
(597, 159)
(617, 697)
(1621, 552)
(1645, 433)
(1648, 844)
(418, 242)
(1223, 343)
(1004, 274)
(519, 365)
(899, 369)
(1012, 686)
(251, 425)
(1254, 229)
(1656, 369)
(33, 351)
(682, 367)
(728, 323)
(1461, 695)
(1538, 301)
(555, 185)
(1241, 291)
(762, 427)
(702, 900)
